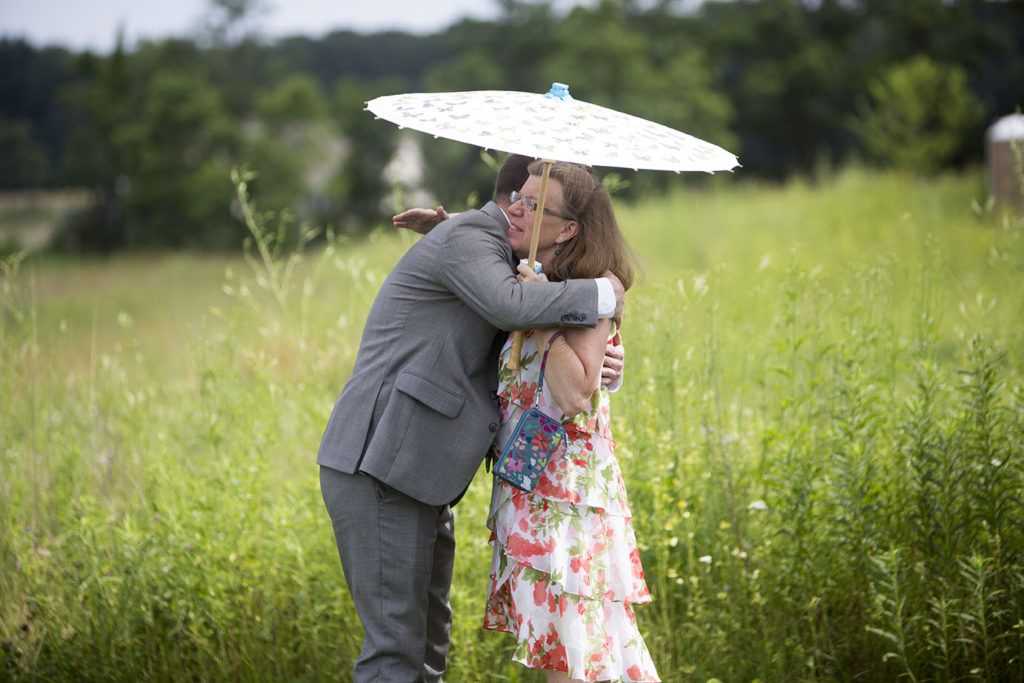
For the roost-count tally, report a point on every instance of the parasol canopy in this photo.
(552, 126)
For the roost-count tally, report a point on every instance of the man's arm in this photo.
(610, 290)
(473, 264)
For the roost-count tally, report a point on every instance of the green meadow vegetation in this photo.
(821, 430)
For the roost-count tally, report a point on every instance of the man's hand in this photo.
(420, 221)
(620, 296)
(614, 361)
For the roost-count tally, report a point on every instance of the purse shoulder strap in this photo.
(543, 363)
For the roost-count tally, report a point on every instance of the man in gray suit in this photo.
(415, 420)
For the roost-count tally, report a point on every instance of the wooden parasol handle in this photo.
(517, 338)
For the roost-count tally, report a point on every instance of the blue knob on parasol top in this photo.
(559, 91)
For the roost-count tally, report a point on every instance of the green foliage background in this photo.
(821, 432)
(791, 86)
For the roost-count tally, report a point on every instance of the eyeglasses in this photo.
(530, 204)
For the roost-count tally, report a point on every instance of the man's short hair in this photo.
(511, 176)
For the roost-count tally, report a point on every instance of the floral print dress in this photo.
(566, 572)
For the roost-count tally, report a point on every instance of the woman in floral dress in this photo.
(566, 572)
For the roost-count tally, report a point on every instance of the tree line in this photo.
(791, 86)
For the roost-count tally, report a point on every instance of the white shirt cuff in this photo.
(605, 298)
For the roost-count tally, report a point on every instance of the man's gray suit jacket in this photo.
(419, 411)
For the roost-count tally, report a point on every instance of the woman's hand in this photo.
(614, 362)
(420, 221)
(527, 275)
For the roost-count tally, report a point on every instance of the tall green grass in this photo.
(821, 430)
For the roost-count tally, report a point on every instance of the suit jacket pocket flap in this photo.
(430, 394)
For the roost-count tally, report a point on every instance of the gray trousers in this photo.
(397, 555)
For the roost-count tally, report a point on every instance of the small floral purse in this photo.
(536, 438)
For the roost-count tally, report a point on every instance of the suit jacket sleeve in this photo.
(476, 268)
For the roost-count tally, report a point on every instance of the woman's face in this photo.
(554, 229)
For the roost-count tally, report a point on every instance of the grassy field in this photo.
(821, 430)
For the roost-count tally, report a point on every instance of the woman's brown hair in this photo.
(599, 245)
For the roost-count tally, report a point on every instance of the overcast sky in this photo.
(93, 24)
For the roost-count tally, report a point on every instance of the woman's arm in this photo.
(573, 370)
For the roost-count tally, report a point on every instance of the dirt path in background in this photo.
(30, 218)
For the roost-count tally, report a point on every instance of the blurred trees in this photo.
(287, 141)
(917, 115)
(155, 144)
(610, 59)
(25, 163)
(360, 184)
(788, 72)
(31, 121)
(100, 103)
(786, 84)
(176, 154)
